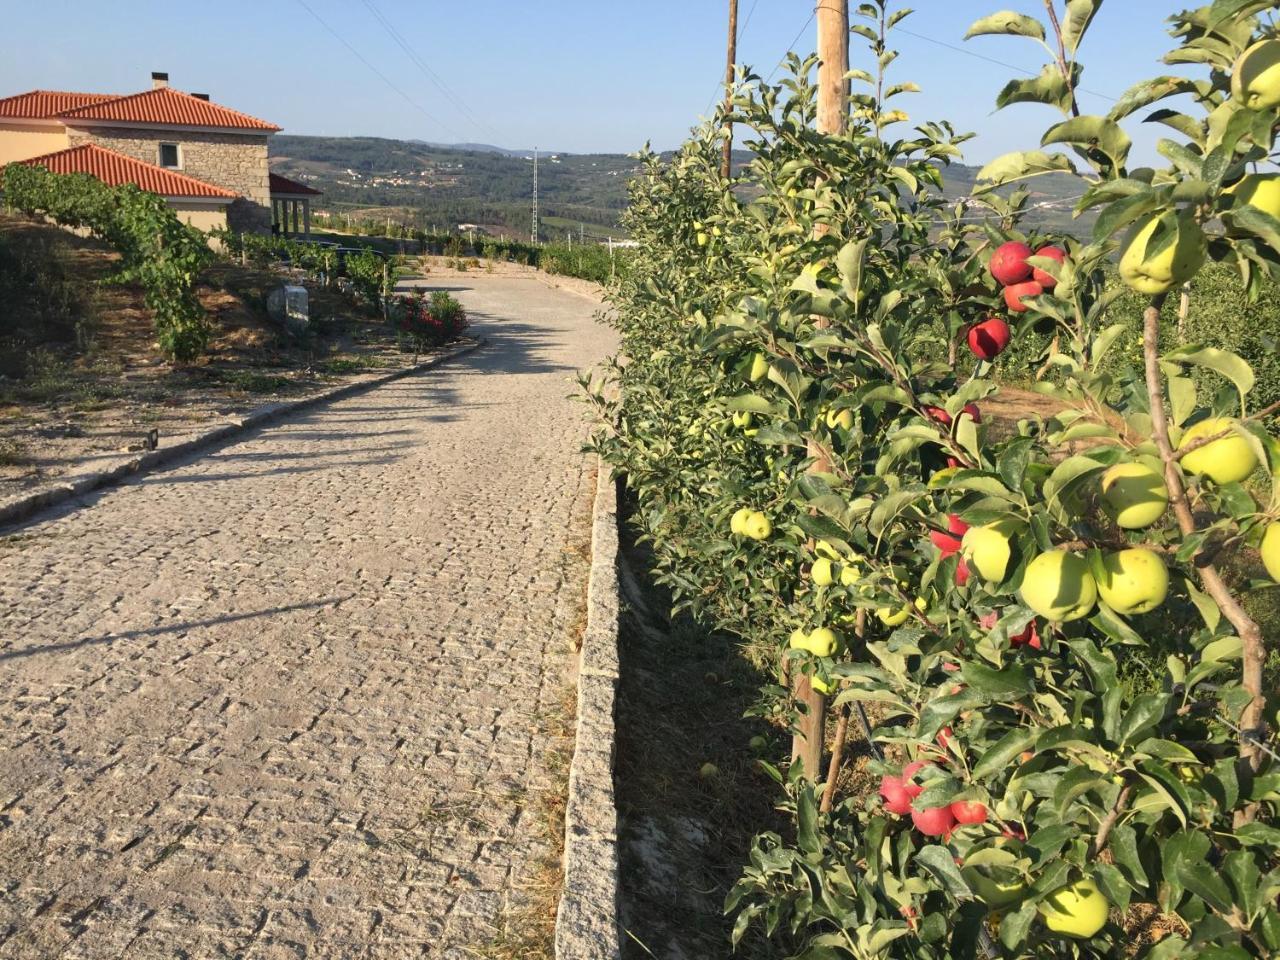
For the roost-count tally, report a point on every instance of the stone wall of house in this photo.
(235, 161)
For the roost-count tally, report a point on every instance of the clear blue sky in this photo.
(562, 74)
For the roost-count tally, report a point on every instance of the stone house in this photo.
(207, 160)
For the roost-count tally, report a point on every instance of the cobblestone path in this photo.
(291, 699)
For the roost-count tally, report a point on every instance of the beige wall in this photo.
(235, 161)
(24, 141)
(202, 216)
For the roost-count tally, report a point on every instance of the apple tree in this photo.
(1042, 606)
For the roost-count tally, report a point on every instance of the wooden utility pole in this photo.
(726, 163)
(833, 118)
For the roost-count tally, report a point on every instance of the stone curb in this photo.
(25, 505)
(587, 919)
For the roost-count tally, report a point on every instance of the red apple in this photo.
(910, 770)
(1013, 295)
(938, 415)
(1009, 262)
(934, 822)
(969, 811)
(988, 339)
(1014, 832)
(1038, 275)
(1028, 637)
(944, 738)
(953, 462)
(962, 573)
(895, 795)
(971, 409)
(950, 666)
(949, 543)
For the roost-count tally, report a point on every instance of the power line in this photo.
(383, 77)
(792, 44)
(998, 63)
(427, 71)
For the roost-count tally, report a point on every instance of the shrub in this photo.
(430, 322)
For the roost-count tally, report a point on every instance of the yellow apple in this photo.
(1076, 910)
(702, 239)
(842, 419)
(1152, 273)
(1134, 495)
(824, 549)
(895, 616)
(759, 368)
(1255, 78)
(738, 522)
(1226, 460)
(1271, 551)
(824, 642)
(1258, 190)
(1134, 581)
(742, 418)
(822, 572)
(819, 685)
(757, 526)
(849, 574)
(986, 549)
(1058, 586)
(799, 640)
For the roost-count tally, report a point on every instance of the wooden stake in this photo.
(833, 114)
(726, 163)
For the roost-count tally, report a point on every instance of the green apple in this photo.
(986, 549)
(819, 685)
(1134, 495)
(996, 892)
(757, 526)
(1255, 78)
(758, 744)
(799, 640)
(1150, 272)
(759, 368)
(742, 418)
(1228, 459)
(702, 239)
(709, 771)
(1271, 551)
(822, 572)
(738, 522)
(841, 419)
(1134, 581)
(849, 574)
(1076, 910)
(1058, 586)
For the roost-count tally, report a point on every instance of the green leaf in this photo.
(1147, 92)
(1262, 225)
(807, 821)
(1124, 848)
(1080, 14)
(1202, 880)
(1092, 134)
(849, 263)
(1009, 23)
(1008, 684)
(1223, 362)
(1015, 925)
(1050, 87)
(941, 862)
(1147, 711)
(1020, 166)
(1000, 754)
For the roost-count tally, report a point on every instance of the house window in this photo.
(169, 156)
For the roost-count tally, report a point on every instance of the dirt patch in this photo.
(684, 833)
(81, 377)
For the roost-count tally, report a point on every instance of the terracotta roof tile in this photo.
(115, 169)
(169, 107)
(281, 184)
(41, 104)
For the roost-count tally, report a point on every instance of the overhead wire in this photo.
(427, 72)
(382, 76)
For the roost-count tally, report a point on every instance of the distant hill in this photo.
(439, 186)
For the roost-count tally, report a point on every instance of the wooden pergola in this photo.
(291, 207)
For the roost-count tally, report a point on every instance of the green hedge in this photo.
(159, 251)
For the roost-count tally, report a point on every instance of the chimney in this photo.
(159, 80)
(201, 96)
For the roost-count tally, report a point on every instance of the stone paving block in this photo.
(281, 700)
